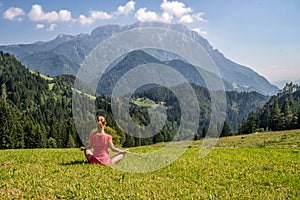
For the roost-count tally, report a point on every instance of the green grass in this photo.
(143, 102)
(236, 170)
(51, 85)
(88, 95)
(280, 139)
(43, 76)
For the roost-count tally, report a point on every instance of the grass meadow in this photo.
(256, 166)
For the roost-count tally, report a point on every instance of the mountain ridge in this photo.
(140, 57)
(69, 51)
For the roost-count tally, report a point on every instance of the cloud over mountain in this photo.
(175, 8)
(94, 15)
(37, 14)
(171, 12)
(12, 13)
(125, 10)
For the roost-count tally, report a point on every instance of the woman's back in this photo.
(100, 144)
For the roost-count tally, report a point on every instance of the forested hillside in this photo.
(36, 111)
(281, 112)
(239, 105)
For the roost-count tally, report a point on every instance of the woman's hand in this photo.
(82, 148)
(125, 151)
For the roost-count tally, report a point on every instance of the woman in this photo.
(100, 142)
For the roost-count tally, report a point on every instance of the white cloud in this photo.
(37, 14)
(199, 17)
(166, 18)
(52, 27)
(128, 8)
(149, 16)
(199, 31)
(39, 26)
(12, 13)
(175, 8)
(94, 15)
(65, 15)
(85, 20)
(171, 10)
(186, 19)
(100, 15)
(146, 16)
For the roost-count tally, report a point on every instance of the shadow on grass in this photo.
(75, 162)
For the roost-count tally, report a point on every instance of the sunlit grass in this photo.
(244, 172)
(280, 139)
(144, 102)
(51, 85)
(43, 76)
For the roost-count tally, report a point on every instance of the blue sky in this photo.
(263, 35)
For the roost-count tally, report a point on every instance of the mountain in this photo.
(139, 57)
(64, 54)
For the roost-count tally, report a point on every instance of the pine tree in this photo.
(5, 122)
(252, 123)
(18, 134)
(288, 114)
(28, 128)
(158, 138)
(204, 131)
(275, 117)
(226, 131)
(264, 115)
(51, 143)
(298, 121)
(38, 137)
(11, 133)
(242, 128)
(71, 142)
(129, 142)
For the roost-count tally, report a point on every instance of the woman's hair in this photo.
(102, 120)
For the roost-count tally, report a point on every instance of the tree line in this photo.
(281, 112)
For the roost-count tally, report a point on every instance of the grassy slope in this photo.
(43, 76)
(257, 170)
(144, 102)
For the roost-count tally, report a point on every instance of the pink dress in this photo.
(100, 144)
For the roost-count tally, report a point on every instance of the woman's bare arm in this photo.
(114, 149)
